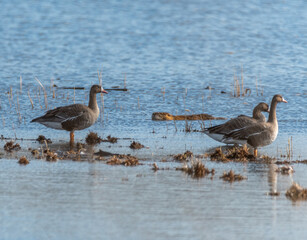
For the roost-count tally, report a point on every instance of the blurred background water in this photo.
(169, 52)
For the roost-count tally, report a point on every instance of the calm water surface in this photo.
(169, 52)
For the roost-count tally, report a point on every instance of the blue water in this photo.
(176, 47)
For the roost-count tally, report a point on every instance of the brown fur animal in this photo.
(164, 116)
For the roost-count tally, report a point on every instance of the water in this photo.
(178, 47)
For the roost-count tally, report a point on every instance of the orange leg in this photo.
(72, 138)
(255, 152)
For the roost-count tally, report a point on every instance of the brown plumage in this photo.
(73, 117)
(261, 133)
(219, 131)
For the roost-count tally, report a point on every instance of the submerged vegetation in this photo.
(231, 176)
(196, 169)
(23, 161)
(183, 156)
(41, 139)
(110, 139)
(10, 146)
(136, 145)
(296, 192)
(125, 160)
(93, 138)
(235, 153)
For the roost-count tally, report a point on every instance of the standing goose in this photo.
(219, 131)
(73, 117)
(258, 134)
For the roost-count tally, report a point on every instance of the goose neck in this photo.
(93, 102)
(272, 115)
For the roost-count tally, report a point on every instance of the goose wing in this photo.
(62, 114)
(258, 134)
(231, 125)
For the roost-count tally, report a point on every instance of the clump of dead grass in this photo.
(23, 161)
(92, 138)
(231, 176)
(196, 169)
(10, 146)
(183, 156)
(238, 154)
(41, 139)
(296, 192)
(125, 160)
(51, 156)
(136, 145)
(218, 155)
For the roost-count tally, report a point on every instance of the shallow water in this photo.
(169, 52)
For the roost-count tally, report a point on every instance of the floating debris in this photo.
(10, 146)
(285, 169)
(291, 162)
(136, 145)
(196, 169)
(23, 161)
(125, 160)
(72, 155)
(110, 139)
(93, 138)
(183, 156)
(267, 158)
(41, 139)
(101, 153)
(282, 162)
(296, 192)
(51, 156)
(155, 167)
(231, 176)
(274, 193)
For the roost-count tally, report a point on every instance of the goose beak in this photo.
(284, 100)
(104, 91)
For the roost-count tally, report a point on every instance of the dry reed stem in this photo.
(20, 84)
(290, 148)
(45, 94)
(30, 99)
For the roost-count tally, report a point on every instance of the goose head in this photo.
(278, 98)
(97, 89)
(263, 107)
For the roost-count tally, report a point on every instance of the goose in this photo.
(218, 132)
(73, 117)
(258, 134)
